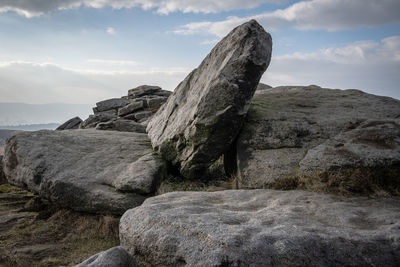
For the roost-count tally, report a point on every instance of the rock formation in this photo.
(203, 116)
(114, 257)
(263, 228)
(70, 124)
(292, 137)
(138, 106)
(318, 135)
(86, 170)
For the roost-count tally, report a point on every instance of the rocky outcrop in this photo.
(203, 116)
(114, 257)
(138, 106)
(86, 170)
(70, 124)
(318, 139)
(122, 125)
(263, 228)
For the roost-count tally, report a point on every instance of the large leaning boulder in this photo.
(205, 113)
(263, 228)
(319, 139)
(86, 170)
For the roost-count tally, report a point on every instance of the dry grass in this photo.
(42, 235)
(347, 182)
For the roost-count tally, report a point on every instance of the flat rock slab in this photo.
(309, 126)
(263, 228)
(203, 116)
(86, 170)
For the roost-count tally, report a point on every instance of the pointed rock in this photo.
(203, 116)
(70, 124)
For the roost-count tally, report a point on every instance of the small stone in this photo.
(70, 124)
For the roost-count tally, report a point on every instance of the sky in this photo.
(84, 51)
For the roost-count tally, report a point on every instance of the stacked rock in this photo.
(138, 106)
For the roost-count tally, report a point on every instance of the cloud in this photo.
(111, 31)
(113, 62)
(329, 15)
(368, 65)
(50, 83)
(31, 8)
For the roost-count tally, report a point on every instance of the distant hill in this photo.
(30, 127)
(13, 114)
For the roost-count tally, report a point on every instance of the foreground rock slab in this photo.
(114, 257)
(263, 228)
(86, 170)
(205, 113)
(335, 140)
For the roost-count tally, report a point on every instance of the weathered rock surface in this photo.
(70, 124)
(93, 120)
(110, 104)
(83, 169)
(263, 228)
(132, 107)
(143, 90)
(121, 125)
(114, 257)
(203, 116)
(287, 127)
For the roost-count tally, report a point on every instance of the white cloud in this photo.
(50, 83)
(31, 8)
(111, 31)
(330, 15)
(369, 66)
(113, 62)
